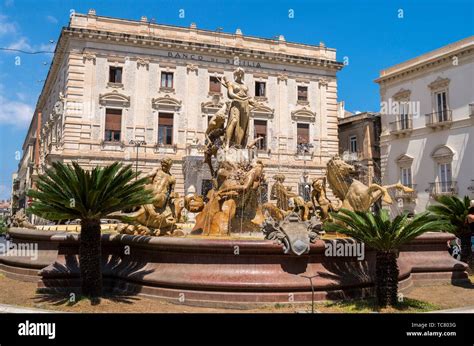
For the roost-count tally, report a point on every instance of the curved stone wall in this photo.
(224, 271)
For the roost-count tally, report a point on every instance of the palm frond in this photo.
(70, 192)
(454, 209)
(379, 232)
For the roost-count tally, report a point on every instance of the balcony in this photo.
(406, 195)
(447, 188)
(439, 119)
(402, 126)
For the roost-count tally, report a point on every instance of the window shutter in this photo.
(303, 133)
(260, 127)
(165, 119)
(214, 85)
(113, 119)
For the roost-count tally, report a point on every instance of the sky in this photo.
(369, 35)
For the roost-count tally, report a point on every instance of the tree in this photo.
(455, 210)
(385, 236)
(70, 192)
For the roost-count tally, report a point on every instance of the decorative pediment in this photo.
(402, 94)
(262, 110)
(166, 102)
(304, 114)
(442, 152)
(404, 160)
(439, 83)
(114, 98)
(210, 107)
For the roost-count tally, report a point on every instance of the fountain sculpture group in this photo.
(232, 205)
(199, 260)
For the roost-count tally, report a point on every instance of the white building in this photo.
(114, 80)
(427, 135)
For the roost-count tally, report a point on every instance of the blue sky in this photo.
(368, 32)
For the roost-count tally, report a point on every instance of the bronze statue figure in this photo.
(158, 218)
(354, 194)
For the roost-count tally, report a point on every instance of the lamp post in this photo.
(310, 278)
(137, 144)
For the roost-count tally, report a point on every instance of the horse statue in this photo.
(354, 194)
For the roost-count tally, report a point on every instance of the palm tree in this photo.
(455, 210)
(70, 192)
(377, 231)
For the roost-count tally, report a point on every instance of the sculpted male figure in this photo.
(237, 189)
(162, 183)
(284, 195)
(159, 215)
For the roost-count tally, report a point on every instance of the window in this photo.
(353, 144)
(260, 127)
(304, 190)
(214, 85)
(302, 133)
(404, 117)
(441, 106)
(165, 129)
(167, 80)
(113, 124)
(260, 89)
(405, 176)
(302, 93)
(115, 74)
(444, 177)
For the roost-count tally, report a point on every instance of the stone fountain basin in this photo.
(223, 271)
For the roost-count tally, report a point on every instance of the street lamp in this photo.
(137, 145)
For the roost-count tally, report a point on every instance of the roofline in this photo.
(358, 117)
(224, 34)
(425, 58)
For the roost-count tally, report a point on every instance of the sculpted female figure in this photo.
(236, 131)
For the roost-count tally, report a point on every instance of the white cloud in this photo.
(15, 113)
(20, 44)
(52, 19)
(6, 27)
(23, 45)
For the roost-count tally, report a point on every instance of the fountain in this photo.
(237, 251)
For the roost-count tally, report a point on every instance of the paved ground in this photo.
(446, 296)
(12, 309)
(22, 295)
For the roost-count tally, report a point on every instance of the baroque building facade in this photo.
(114, 83)
(359, 144)
(427, 135)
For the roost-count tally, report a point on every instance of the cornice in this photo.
(197, 47)
(426, 65)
